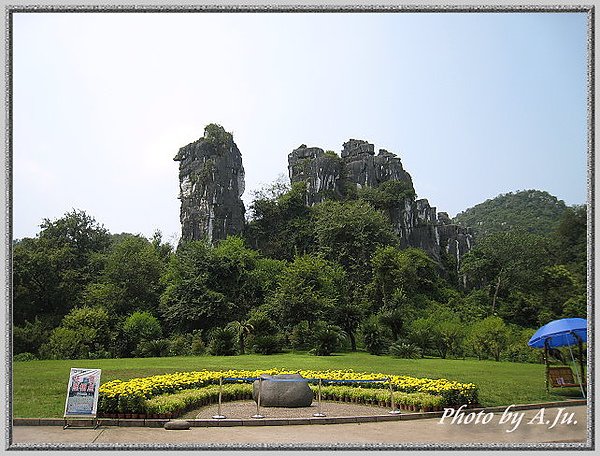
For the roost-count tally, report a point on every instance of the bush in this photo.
(328, 339)
(421, 333)
(141, 326)
(198, 347)
(374, 337)
(180, 345)
(301, 337)
(222, 342)
(405, 350)
(30, 337)
(267, 345)
(25, 356)
(488, 337)
(66, 343)
(152, 348)
(84, 332)
(517, 350)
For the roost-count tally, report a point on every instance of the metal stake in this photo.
(258, 415)
(218, 416)
(319, 413)
(394, 411)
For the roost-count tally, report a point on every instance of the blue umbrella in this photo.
(560, 333)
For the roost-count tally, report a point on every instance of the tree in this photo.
(222, 342)
(348, 233)
(30, 337)
(309, 289)
(281, 225)
(507, 261)
(532, 211)
(401, 275)
(421, 333)
(447, 331)
(265, 337)
(51, 271)
(348, 315)
(209, 286)
(389, 196)
(188, 301)
(241, 330)
(131, 276)
(488, 337)
(571, 239)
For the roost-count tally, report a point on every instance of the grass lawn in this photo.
(39, 387)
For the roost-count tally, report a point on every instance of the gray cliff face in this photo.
(415, 221)
(366, 169)
(321, 171)
(211, 182)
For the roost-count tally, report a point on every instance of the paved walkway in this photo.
(547, 425)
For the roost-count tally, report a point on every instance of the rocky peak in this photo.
(418, 224)
(211, 183)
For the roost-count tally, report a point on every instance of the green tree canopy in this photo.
(281, 224)
(348, 233)
(507, 261)
(309, 289)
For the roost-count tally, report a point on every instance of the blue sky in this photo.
(475, 104)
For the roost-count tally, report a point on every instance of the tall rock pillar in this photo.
(211, 183)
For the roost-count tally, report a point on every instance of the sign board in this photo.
(82, 393)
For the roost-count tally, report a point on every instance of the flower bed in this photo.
(134, 396)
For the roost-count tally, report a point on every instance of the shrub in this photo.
(405, 350)
(83, 331)
(198, 347)
(66, 343)
(488, 337)
(141, 326)
(373, 336)
(301, 337)
(30, 337)
(222, 342)
(421, 333)
(267, 345)
(152, 348)
(328, 338)
(180, 345)
(25, 356)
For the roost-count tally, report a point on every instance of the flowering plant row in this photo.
(131, 396)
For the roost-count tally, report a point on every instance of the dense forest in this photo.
(533, 211)
(324, 278)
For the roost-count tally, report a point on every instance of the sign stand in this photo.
(94, 426)
(82, 397)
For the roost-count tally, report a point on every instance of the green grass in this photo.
(39, 387)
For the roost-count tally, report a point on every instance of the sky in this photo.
(474, 104)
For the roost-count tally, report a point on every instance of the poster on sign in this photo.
(82, 393)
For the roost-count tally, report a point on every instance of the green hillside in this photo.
(534, 211)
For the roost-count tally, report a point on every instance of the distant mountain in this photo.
(534, 211)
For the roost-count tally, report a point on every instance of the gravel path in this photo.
(245, 409)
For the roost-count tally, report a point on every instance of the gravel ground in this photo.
(245, 409)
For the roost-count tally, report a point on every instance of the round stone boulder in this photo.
(291, 390)
(177, 425)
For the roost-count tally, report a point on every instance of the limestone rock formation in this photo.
(211, 183)
(417, 223)
(282, 393)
